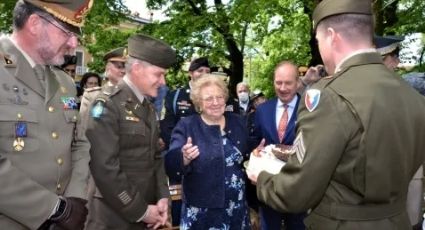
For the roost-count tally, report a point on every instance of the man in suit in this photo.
(43, 165)
(359, 133)
(126, 163)
(275, 123)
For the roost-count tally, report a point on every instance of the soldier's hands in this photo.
(71, 214)
(190, 151)
(163, 210)
(260, 147)
(161, 144)
(152, 216)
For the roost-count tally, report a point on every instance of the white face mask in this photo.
(243, 97)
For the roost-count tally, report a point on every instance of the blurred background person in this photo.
(243, 93)
(69, 65)
(208, 149)
(89, 80)
(389, 48)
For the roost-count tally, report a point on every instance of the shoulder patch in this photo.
(97, 108)
(312, 98)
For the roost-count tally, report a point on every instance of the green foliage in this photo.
(6, 10)
(101, 33)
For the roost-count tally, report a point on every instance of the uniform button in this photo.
(58, 186)
(183, 111)
(55, 135)
(178, 173)
(59, 161)
(238, 142)
(230, 131)
(19, 115)
(74, 118)
(51, 109)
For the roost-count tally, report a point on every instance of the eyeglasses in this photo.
(118, 65)
(211, 99)
(68, 33)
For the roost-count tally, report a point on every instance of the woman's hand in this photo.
(190, 152)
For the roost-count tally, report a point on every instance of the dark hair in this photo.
(69, 60)
(351, 26)
(21, 13)
(84, 79)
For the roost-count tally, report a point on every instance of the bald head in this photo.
(285, 81)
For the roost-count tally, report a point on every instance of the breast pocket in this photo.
(132, 134)
(12, 116)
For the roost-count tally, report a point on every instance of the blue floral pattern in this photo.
(236, 214)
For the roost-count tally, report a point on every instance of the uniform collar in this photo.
(361, 51)
(133, 88)
(27, 57)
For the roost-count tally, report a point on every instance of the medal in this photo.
(21, 131)
(18, 144)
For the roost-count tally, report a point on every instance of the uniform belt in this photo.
(359, 212)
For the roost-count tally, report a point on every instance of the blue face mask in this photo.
(243, 97)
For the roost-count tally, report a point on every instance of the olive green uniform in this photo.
(52, 161)
(362, 144)
(126, 164)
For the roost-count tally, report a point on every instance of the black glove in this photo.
(71, 214)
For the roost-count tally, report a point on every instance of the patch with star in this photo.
(312, 98)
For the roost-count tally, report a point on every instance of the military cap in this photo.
(328, 8)
(151, 50)
(118, 54)
(198, 63)
(387, 44)
(67, 11)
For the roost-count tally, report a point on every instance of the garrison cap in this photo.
(387, 44)
(118, 54)
(328, 8)
(71, 12)
(151, 50)
(198, 63)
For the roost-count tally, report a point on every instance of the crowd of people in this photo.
(104, 156)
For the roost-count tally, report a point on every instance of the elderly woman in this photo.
(208, 150)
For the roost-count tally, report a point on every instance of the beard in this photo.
(46, 52)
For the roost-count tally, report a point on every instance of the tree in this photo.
(6, 9)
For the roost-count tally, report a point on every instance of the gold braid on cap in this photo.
(79, 15)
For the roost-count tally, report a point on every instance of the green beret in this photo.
(118, 54)
(70, 12)
(151, 50)
(328, 8)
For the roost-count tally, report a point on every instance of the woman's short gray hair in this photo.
(204, 81)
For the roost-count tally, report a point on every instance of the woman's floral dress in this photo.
(235, 215)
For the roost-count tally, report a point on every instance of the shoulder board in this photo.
(110, 90)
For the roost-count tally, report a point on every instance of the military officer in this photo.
(359, 133)
(126, 163)
(114, 71)
(389, 47)
(43, 165)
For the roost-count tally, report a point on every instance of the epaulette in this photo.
(110, 90)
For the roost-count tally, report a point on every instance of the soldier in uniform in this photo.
(359, 133)
(43, 165)
(389, 47)
(126, 164)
